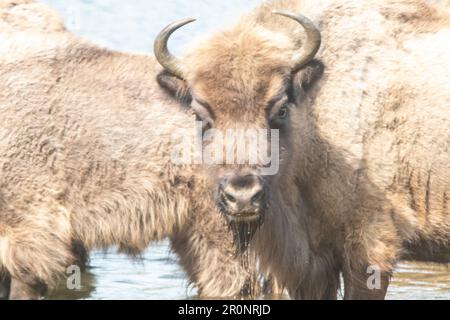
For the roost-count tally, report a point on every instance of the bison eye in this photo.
(283, 112)
(278, 119)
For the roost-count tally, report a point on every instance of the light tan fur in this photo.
(85, 159)
(364, 177)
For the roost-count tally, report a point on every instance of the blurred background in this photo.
(131, 26)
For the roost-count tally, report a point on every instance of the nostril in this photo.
(230, 197)
(257, 197)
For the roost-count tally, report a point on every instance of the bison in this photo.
(359, 93)
(85, 149)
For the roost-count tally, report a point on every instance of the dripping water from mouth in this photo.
(243, 233)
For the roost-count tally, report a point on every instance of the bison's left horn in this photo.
(313, 39)
(162, 54)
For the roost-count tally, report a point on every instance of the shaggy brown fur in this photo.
(85, 161)
(364, 178)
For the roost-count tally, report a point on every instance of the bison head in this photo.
(249, 77)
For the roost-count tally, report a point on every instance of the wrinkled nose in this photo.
(242, 196)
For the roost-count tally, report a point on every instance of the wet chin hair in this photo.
(243, 233)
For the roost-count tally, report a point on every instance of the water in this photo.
(131, 26)
(420, 281)
(156, 275)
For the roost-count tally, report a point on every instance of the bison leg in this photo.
(365, 285)
(17, 290)
(23, 291)
(322, 284)
(369, 256)
(80, 254)
(365, 279)
(38, 252)
(5, 282)
(35, 266)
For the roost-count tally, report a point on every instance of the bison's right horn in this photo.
(313, 39)
(162, 54)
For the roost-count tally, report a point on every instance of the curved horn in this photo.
(313, 39)
(162, 54)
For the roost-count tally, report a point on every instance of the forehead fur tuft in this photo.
(245, 46)
(236, 67)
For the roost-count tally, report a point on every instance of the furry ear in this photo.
(175, 87)
(305, 78)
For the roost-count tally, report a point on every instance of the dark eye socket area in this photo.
(283, 112)
(203, 112)
(280, 110)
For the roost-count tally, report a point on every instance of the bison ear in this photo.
(175, 87)
(305, 78)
